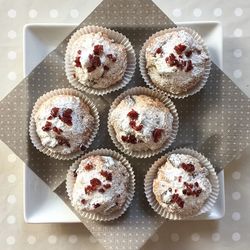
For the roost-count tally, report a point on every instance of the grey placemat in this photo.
(212, 121)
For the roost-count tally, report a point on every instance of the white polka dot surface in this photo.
(175, 235)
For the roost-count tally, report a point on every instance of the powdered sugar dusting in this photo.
(76, 135)
(152, 114)
(109, 71)
(193, 188)
(173, 78)
(113, 197)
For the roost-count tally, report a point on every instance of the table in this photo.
(232, 232)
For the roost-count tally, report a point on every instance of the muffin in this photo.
(64, 124)
(182, 185)
(141, 123)
(101, 185)
(176, 61)
(98, 62)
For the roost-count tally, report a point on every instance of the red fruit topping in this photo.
(111, 57)
(188, 167)
(132, 124)
(91, 68)
(88, 189)
(157, 134)
(54, 112)
(133, 114)
(178, 200)
(88, 167)
(97, 205)
(66, 117)
(105, 67)
(172, 61)
(107, 186)
(98, 49)
(196, 184)
(95, 61)
(179, 178)
(49, 118)
(107, 175)
(79, 52)
(158, 51)
(57, 130)
(82, 147)
(62, 141)
(129, 139)
(188, 53)
(184, 191)
(101, 190)
(47, 126)
(83, 201)
(77, 62)
(180, 48)
(95, 182)
(189, 66)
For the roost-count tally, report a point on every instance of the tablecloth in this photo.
(232, 232)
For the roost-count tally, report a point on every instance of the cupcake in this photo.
(182, 185)
(141, 123)
(100, 186)
(99, 60)
(177, 62)
(63, 123)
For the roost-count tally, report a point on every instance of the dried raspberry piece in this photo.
(196, 184)
(133, 114)
(158, 51)
(50, 118)
(66, 117)
(111, 57)
(62, 141)
(83, 201)
(157, 134)
(178, 200)
(57, 130)
(189, 66)
(96, 61)
(88, 167)
(47, 126)
(188, 167)
(91, 68)
(132, 124)
(54, 112)
(97, 205)
(129, 139)
(95, 182)
(107, 175)
(77, 62)
(88, 189)
(98, 49)
(188, 53)
(184, 191)
(180, 48)
(105, 67)
(171, 60)
(101, 190)
(107, 186)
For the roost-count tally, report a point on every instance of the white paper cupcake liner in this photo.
(161, 97)
(152, 174)
(118, 38)
(32, 126)
(146, 77)
(70, 181)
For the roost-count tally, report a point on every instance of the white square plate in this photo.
(41, 205)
